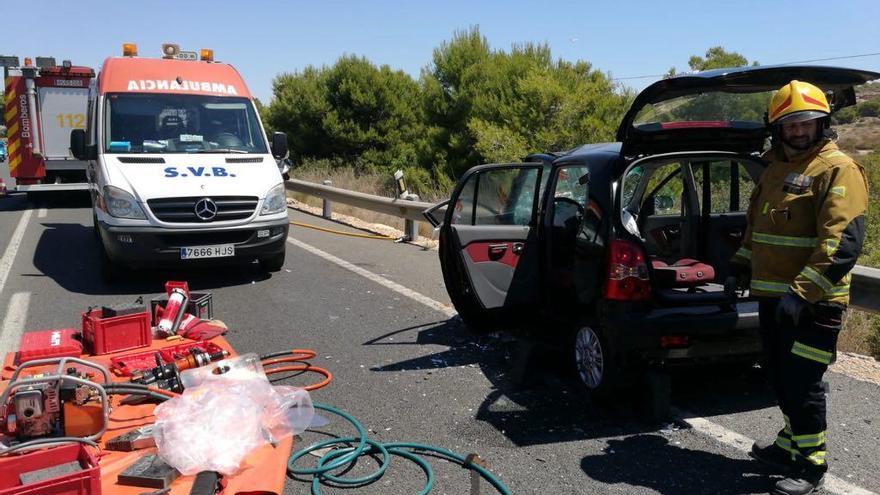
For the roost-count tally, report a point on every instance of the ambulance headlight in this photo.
(275, 202)
(122, 204)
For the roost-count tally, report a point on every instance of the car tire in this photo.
(595, 366)
(95, 227)
(273, 263)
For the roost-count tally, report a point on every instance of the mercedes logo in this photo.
(205, 209)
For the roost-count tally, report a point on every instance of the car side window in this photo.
(729, 185)
(504, 196)
(665, 191)
(463, 210)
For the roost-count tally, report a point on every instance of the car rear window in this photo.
(704, 110)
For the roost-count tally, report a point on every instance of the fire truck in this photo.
(43, 103)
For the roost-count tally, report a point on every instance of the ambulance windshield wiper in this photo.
(222, 150)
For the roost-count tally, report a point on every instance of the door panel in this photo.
(488, 252)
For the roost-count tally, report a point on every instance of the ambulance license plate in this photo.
(198, 252)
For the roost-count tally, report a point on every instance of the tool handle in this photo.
(205, 483)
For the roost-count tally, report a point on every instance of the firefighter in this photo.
(806, 225)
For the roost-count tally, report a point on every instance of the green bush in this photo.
(870, 108)
(472, 105)
(846, 116)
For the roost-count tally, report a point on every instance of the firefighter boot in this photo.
(771, 454)
(804, 482)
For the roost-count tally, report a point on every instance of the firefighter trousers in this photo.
(796, 359)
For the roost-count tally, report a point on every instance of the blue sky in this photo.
(625, 38)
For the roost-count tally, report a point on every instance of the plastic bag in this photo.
(221, 417)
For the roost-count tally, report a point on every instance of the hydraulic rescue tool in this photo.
(167, 376)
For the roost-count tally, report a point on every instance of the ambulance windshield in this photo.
(171, 123)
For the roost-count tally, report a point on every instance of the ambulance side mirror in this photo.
(279, 145)
(78, 146)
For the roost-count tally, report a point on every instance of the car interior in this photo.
(690, 215)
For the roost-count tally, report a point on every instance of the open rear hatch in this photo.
(723, 109)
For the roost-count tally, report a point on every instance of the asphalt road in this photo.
(408, 372)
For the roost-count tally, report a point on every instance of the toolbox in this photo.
(45, 344)
(66, 470)
(103, 334)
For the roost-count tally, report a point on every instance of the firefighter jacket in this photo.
(806, 225)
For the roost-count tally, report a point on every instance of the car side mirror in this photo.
(279, 145)
(78, 146)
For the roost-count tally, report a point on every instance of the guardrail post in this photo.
(411, 227)
(328, 205)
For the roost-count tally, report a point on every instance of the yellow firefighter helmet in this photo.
(797, 101)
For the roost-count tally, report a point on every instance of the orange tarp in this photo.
(263, 471)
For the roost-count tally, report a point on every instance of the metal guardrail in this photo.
(865, 281)
(865, 289)
(409, 207)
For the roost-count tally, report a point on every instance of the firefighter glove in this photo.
(790, 306)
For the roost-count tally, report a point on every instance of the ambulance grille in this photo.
(183, 210)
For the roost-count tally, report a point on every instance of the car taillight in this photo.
(627, 272)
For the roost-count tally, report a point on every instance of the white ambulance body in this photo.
(180, 170)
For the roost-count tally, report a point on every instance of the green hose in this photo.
(340, 457)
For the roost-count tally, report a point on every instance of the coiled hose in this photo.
(348, 454)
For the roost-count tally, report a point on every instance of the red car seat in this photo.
(685, 272)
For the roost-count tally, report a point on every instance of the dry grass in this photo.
(859, 334)
(861, 136)
(369, 183)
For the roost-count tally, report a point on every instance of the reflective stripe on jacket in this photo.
(806, 225)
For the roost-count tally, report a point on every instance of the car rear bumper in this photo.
(713, 335)
(150, 246)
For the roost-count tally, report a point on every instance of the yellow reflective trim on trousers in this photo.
(785, 444)
(768, 286)
(811, 353)
(814, 440)
(744, 253)
(784, 240)
(817, 458)
(817, 278)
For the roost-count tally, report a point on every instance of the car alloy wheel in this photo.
(589, 357)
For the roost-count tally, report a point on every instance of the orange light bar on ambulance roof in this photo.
(129, 50)
(206, 54)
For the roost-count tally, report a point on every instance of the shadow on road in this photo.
(652, 462)
(544, 404)
(71, 255)
(16, 201)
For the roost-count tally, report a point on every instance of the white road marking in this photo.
(12, 248)
(41, 213)
(833, 484)
(427, 301)
(13, 322)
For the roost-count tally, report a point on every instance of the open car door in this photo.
(488, 251)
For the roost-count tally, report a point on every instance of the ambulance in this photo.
(179, 168)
